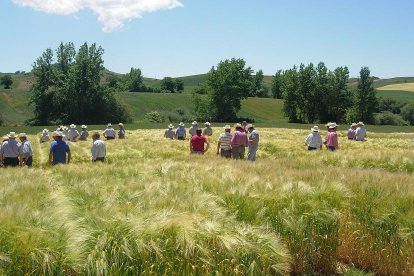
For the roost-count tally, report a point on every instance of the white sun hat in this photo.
(170, 126)
(194, 123)
(12, 135)
(72, 126)
(83, 126)
(361, 123)
(227, 127)
(333, 125)
(181, 124)
(315, 129)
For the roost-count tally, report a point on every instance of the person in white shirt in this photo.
(73, 134)
(360, 132)
(207, 131)
(25, 150)
(44, 136)
(84, 133)
(109, 132)
(98, 148)
(314, 140)
(193, 129)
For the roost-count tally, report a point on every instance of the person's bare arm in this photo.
(208, 145)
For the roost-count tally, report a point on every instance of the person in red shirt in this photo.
(197, 143)
(238, 142)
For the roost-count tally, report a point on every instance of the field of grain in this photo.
(153, 208)
(399, 86)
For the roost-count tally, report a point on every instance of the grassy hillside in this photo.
(153, 209)
(402, 96)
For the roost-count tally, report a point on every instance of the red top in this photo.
(239, 139)
(197, 142)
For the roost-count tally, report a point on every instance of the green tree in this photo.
(179, 85)
(7, 81)
(133, 81)
(227, 85)
(168, 84)
(69, 89)
(407, 113)
(290, 87)
(277, 85)
(365, 97)
(258, 89)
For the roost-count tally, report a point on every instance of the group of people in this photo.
(228, 145)
(14, 154)
(356, 132)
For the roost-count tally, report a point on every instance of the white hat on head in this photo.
(83, 126)
(333, 125)
(207, 123)
(120, 124)
(315, 129)
(181, 124)
(57, 134)
(22, 135)
(361, 123)
(249, 126)
(109, 125)
(11, 135)
(237, 125)
(72, 126)
(170, 126)
(194, 123)
(353, 124)
(227, 127)
(45, 130)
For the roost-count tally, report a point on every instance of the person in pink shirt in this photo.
(351, 131)
(238, 142)
(331, 138)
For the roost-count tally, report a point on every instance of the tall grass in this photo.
(152, 208)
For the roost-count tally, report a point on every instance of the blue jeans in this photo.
(251, 154)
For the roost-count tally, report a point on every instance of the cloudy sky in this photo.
(186, 37)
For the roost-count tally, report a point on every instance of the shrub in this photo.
(154, 117)
(407, 113)
(388, 118)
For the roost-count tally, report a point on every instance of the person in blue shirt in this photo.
(58, 150)
(180, 132)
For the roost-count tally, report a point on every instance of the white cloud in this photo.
(111, 13)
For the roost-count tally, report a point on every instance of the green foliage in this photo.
(154, 117)
(407, 113)
(7, 81)
(179, 85)
(69, 89)
(277, 92)
(365, 102)
(133, 81)
(227, 84)
(389, 104)
(168, 84)
(258, 89)
(389, 118)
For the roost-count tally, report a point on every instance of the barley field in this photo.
(154, 209)
(399, 86)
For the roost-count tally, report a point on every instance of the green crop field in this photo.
(398, 95)
(153, 209)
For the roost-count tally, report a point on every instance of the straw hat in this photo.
(207, 123)
(354, 125)
(45, 131)
(83, 126)
(315, 129)
(333, 125)
(181, 124)
(227, 127)
(72, 126)
(170, 126)
(11, 135)
(249, 126)
(237, 125)
(360, 123)
(22, 135)
(5, 137)
(109, 125)
(120, 124)
(57, 134)
(194, 123)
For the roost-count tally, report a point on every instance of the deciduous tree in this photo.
(7, 81)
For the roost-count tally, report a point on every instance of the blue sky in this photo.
(187, 37)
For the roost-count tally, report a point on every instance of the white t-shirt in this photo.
(98, 149)
(314, 140)
(109, 132)
(360, 134)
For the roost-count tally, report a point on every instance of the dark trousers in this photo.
(28, 162)
(225, 153)
(101, 159)
(110, 138)
(331, 148)
(312, 148)
(11, 161)
(180, 138)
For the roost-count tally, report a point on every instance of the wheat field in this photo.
(399, 86)
(153, 209)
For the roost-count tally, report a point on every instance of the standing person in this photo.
(197, 143)
(238, 143)
(207, 131)
(193, 129)
(58, 150)
(121, 131)
(331, 138)
(169, 132)
(360, 132)
(180, 132)
(73, 133)
(9, 152)
(224, 143)
(44, 136)
(253, 142)
(84, 134)
(65, 133)
(351, 131)
(98, 148)
(4, 139)
(109, 132)
(314, 140)
(244, 126)
(25, 150)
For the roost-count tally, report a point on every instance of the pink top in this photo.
(351, 133)
(239, 139)
(331, 139)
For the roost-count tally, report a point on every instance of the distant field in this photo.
(398, 95)
(400, 86)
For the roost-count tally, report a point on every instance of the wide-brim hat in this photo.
(22, 135)
(57, 134)
(194, 123)
(207, 123)
(109, 125)
(315, 129)
(328, 124)
(5, 137)
(72, 126)
(353, 124)
(45, 130)
(333, 125)
(83, 126)
(65, 128)
(120, 124)
(181, 124)
(170, 126)
(11, 135)
(227, 127)
(237, 125)
(249, 126)
(360, 124)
